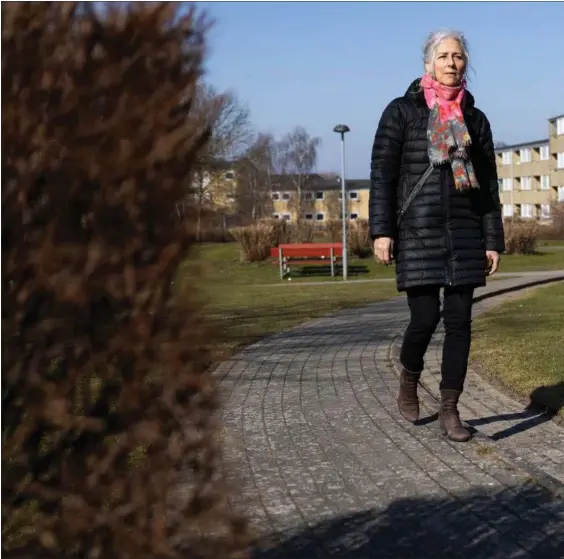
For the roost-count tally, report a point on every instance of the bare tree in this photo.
(230, 133)
(231, 128)
(254, 178)
(498, 145)
(297, 158)
(333, 205)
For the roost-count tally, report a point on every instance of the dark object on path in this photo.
(549, 398)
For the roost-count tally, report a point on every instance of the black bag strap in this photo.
(414, 193)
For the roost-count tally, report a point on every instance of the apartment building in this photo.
(531, 174)
(531, 178)
(321, 198)
(213, 188)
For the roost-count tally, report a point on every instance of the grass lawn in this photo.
(550, 243)
(246, 312)
(521, 344)
(249, 301)
(545, 260)
(222, 260)
(257, 312)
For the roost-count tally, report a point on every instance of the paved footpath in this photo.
(326, 467)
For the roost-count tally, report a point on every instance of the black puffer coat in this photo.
(444, 234)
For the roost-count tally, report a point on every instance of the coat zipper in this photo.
(444, 185)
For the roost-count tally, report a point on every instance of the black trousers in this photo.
(424, 304)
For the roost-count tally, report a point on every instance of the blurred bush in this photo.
(521, 236)
(110, 417)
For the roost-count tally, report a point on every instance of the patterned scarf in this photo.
(447, 135)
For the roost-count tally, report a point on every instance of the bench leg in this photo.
(281, 263)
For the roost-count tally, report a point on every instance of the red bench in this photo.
(307, 253)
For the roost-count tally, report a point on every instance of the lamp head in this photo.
(341, 129)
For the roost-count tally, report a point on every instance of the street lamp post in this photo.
(342, 129)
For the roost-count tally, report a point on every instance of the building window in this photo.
(545, 182)
(560, 160)
(560, 126)
(506, 158)
(308, 196)
(308, 216)
(507, 185)
(545, 211)
(286, 217)
(353, 216)
(320, 216)
(285, 195)
(526, 210)
(276, 195)
(507, 210)
(525, 155)
(319, 195)
(229, 175)
(275, 216)
(526, 183)
(353, 195)
(544, 153)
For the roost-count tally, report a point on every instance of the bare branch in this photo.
(297, 158)
(254, 186)
(231, 127)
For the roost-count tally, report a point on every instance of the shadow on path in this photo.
(325, 271)
(519, 287)
(518, 523)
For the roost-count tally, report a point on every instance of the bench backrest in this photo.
(307, 250)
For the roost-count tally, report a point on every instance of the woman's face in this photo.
(450, 63)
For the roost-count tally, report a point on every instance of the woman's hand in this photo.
(384, 249)
(492, 257)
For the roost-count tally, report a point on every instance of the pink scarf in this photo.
(448, 98)
(448, 139)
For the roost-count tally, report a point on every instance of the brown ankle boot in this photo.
(449, 419)
(408, 402)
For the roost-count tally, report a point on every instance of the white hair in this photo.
(437, 37)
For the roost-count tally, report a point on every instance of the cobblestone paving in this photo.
(326, 467)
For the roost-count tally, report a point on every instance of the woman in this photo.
(451, 234)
